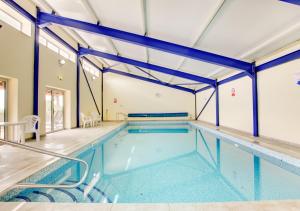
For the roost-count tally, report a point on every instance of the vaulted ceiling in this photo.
(241, 29)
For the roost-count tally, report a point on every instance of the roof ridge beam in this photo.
(165, 70)
(204, 56)
(106, 70)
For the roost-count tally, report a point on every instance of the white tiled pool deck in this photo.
(17, 164)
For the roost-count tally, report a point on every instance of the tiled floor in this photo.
(15, 168)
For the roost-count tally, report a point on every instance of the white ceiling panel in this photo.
(126, 15)
(96, 42)
(136, 71)
(198, 68)
(243, 24)
(131, 51)
(164, 59)
(178, 21)
(72, 9)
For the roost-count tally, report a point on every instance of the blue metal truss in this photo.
(297, 2)
(45, 19)
(87, 51)
(148, 80)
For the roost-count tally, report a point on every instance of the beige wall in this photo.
(209, 113)
(87, 105)
(16, 61)
(135, 96)
(50, 71)
(16, 64)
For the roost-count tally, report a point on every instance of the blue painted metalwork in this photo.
(178, 114)
(147, 79)
(297, 2)
(217, 106)
(87, 51)
(281, 60)
(36, 70)
(204, 88)
(78, 91)
(255, 102)
(45, 18)
(232, 78)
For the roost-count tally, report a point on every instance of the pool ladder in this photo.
(45, 152)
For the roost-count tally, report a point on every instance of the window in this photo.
(88, 67)
(11, 17)
(56, 46)
(10, 20)
(52, 47)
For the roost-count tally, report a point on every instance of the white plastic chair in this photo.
(32, 125)
(96, 119)
(86, 120)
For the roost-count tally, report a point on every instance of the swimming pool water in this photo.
(168, 162)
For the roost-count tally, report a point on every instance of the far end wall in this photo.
(128, 95)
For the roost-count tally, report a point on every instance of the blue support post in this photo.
(255, 101)
(87, 51)
(45, 19)
(217, 105)
(78, 90)
(36, 69)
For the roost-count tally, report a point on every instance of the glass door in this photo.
(54, 110)
(2, 106)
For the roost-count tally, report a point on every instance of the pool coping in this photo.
(280, 159)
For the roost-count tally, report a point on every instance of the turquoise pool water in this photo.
(168, 162)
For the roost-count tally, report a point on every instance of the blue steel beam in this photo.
(297, 2)
(87, 51)
(106, 70)
(36, 70)
(44, 19)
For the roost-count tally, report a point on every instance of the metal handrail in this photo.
(45, 152)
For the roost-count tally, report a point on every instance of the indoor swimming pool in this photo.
(168, 162)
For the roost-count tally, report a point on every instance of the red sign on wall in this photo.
(233, 92)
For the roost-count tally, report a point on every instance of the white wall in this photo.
(236, 111)
(135, 96)
(278, 101)
(209, 113)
